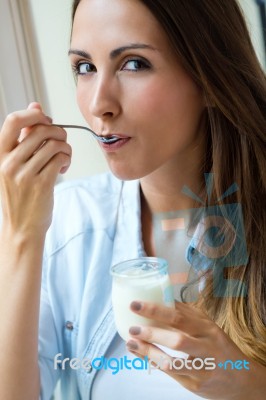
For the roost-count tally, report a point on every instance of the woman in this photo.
(179, 83)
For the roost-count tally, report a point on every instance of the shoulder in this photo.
(83, 206)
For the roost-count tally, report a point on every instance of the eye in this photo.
(83, 68)
(136, 65)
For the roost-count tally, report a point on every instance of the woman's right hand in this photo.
(32, 153)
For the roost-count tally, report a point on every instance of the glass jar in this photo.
(143, 279)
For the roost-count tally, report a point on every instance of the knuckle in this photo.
(177, 319)
(61, 158)
(21, 179)
(153, 309)
(179, 342)
(148, 334)
(57, 146)
(8, 167)
(69, 148)
(213, 330)
(52, 145)
(65, 148)
(219, 335)
(13, 118)
(196, 386)
(165, 365)
(63, 134)
(147, 350)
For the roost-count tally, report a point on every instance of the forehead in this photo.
(108, 21)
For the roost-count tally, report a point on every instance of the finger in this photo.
(34, 142)
(184, 318)
(173, 339)
(27, 130)
(15, 122)
(31, 156)
(158, 359)
(35, 105)
(60, 162)
(40, 159)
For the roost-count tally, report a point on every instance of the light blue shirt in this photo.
(96, 224)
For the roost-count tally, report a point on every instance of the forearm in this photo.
(20, 277)
(28, 172)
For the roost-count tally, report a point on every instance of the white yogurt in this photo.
(143, 284)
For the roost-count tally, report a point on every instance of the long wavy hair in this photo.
(211, 39)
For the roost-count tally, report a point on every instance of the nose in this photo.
(104, 101)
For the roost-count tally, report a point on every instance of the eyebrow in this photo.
(114, 53)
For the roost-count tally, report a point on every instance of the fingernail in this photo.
(132, 345)
(49, 119)
(134, 330)
(63, 170)
(135, 306)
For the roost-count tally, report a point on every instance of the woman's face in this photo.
(131, 84)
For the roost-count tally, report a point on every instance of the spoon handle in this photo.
(76, 127)
(97, 137)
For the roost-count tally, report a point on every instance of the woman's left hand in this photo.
(189, 330)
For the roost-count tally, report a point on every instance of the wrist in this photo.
(17, 243)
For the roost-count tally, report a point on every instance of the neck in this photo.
(162, 190)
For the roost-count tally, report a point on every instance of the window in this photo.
(262, 9)
(16, 84)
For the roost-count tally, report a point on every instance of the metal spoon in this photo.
(110, 139)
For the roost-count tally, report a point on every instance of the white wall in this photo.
(49, 31)
(253, 19)
(16, 86)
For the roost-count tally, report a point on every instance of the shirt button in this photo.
(69, 325)
(89, 368)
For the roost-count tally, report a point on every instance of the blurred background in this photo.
(34, 41)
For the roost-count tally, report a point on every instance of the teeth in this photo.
(112, 139)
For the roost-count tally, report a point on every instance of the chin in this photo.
(124, 176)
(125, 173)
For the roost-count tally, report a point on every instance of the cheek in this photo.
(176, 114)
(147, 100)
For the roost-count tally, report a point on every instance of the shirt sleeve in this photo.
(48, 348)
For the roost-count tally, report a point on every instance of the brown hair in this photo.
(211, 39)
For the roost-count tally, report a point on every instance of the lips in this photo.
(115, 135)
(120, 142)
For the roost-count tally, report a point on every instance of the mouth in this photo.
(113, 142)
(113, 138)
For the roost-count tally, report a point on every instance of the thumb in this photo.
(26, 131)
(35, 105)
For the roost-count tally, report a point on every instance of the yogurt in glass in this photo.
(142, 279)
